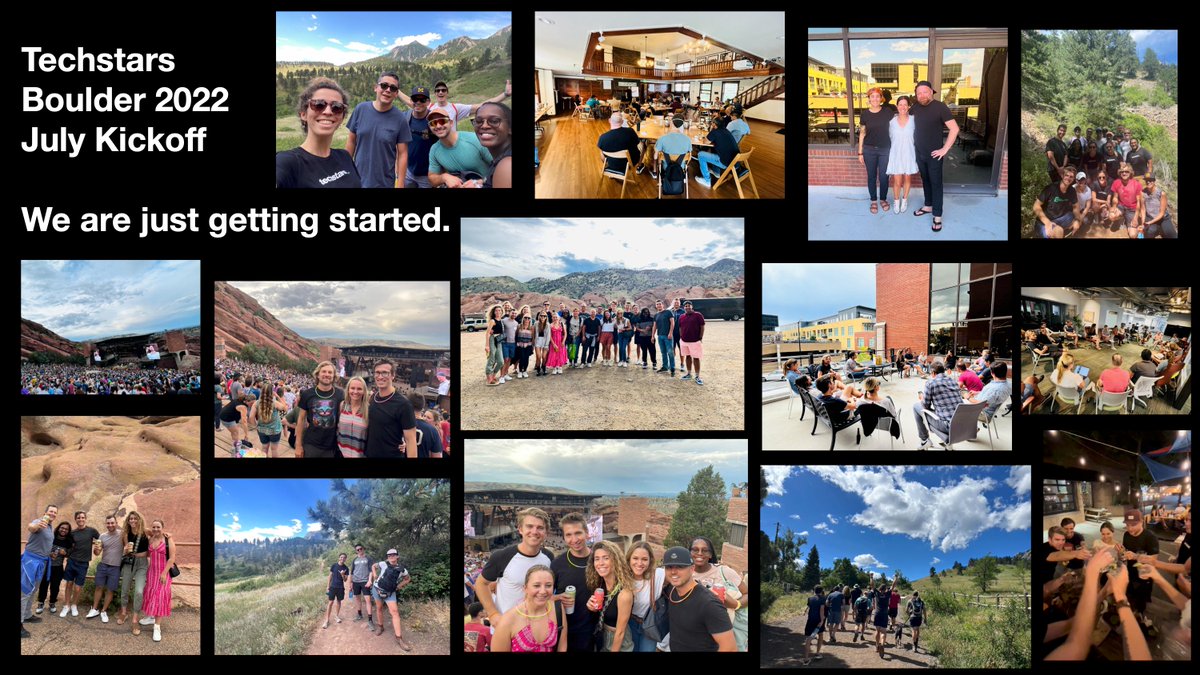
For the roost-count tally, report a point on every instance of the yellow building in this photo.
(839, 328)
(827, 86)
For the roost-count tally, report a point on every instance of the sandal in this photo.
(885, 205)
(137, 629)
(923, 211)
(937, 225)
(874, 206)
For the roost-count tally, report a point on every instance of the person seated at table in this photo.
(1064, 375)
(839, 409)
(1090, 334)
(676, 105)
(618, 138)
(967, 379)
(851, 369)
(724, 149)
(675, 142)
(737, 126)
(592, 102)
(1115, 379)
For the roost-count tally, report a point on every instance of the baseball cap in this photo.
(1133, 517)
(419, 91)
(392, 551)
(1080, 176)
(677, 556)
(436, 112)
(441, 83)
(925, 83)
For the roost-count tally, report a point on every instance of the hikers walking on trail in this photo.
(916, 616)
(387, 578)
(883, 599)
(814, 625)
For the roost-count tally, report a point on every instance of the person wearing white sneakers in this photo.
(608, 339)
(34, 562)
(524, 347)
(336, 589)
(108, 572)
(624, 335)
(557, 356)
(86, 543)
(591, 340)
(156, 603)
(493, 342)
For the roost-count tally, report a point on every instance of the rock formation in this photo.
(240, 320)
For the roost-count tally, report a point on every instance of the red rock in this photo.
(239, 320)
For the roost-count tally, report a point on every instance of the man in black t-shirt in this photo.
(570, 569)
(838, 409)
(724, 149)
(699, 622)
(429, 442)
(317, 422)
(1138, 541)
(591, 337)
(930, 116)
(1072, 542)
(1050, 553)
(85, 544)
(1057, 208)
(1139, 159)
(619, 138)
(391, 425)
(1056, 155)
(336, 590)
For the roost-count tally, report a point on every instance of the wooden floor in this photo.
(570, 165)
(1097, 362)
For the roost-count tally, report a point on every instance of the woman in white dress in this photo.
(902, 161)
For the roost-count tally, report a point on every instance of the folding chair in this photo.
(741, 159)
(622, 176)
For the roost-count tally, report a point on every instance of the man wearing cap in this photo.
(458, 111)
(699, 622)
(930, 116)
(619, 138)
(1158, 220)
(1138, 541)
(392, 569)
(379, 136)
(455, 154)
(422, 139)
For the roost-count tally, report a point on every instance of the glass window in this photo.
(1002, 339)
(706, 91)
(975, 338)
(827, 110)
(943, 275)
(683, 89)
(979, 270)
(942, 305)
(824, 30)
(940, 338)
(1002, 305)
(729, 90)
(684, 67)
(884, 30)
(976, 300)
(1058, 496)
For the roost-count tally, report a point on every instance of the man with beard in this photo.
(1138, 542)
(422, 139)
(455, 155)
(108, 571)
(699, 623)
(379, 136)
(570, 569)
(1073, 542)
(317, 421)
(392, 424)
(504, 573)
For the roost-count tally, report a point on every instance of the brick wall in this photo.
(731, 554)
(840, 166)
(902, 301)
(637, 516)
(328, 353)
(1004, 171)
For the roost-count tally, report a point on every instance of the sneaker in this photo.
(701, 180)
(644, 366)
(641, 169)
(924, 445)
(33, 619)
(157, 633)
(74, 610)
(338, 619)
(358, 618)
(24, 633)
(92, 614)
(53, 609)
(66, 608)
(146, 620)
(403, 645)
(661, 370)
(103, 617)
(325, 625)
(41, 606)
(699, 381)
(688, 376)
(370, 624)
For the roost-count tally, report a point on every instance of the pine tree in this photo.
(703, 507)
(812, 570)
(1150, 64)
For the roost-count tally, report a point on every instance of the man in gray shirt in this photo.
(1145, 367)
(34, 562)
(108, 572)
(360, 584)
(510, 343)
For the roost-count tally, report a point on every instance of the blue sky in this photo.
(604, 466)
(902, 518)
(807, 291)
(254, 509)
(1165, 44)
(344, 37)
(524, 248)
(88, 299)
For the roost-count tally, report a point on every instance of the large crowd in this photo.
(70, 380)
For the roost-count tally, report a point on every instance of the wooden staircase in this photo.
(763, 91)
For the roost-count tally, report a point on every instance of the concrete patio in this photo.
(843, 213)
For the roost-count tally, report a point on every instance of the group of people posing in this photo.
(137, 563)
(575, 338)
(328, 421)
(72, 380)
(881, 604)
(600, 598)
(417, 148)
(1112, 186)
(379, 582)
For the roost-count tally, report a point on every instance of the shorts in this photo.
(358, 588)
(339, 595)
(915, 621)
(812, 629)
(833, 618)
(108, 576)
(693, 349)
(76, 572)
(1064, 221)
(375, 594)
(860, 617)
(881, 619)
(1129, 213)
(510, 349)
(606, 338)
(893, 611)
(230, 425)
(272, 438)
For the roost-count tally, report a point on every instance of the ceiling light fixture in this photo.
(601, 38)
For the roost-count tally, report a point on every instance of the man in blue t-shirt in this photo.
(422, 139)
(456, 152)
(737, 126)
(379, 136)
(664, 328)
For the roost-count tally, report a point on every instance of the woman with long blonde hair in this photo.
(493, 339)
(1064, 374)
(648, 580)
(135, 560)
(352, 419)
(608, 570)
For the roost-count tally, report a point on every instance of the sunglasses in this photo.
(491, 121)
(441, 91)
(388, 87)
(318, 105)
(439, 122)
(420, 99)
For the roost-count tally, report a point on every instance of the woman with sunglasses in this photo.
(493, 126)
(1127, 193)
(316, 164)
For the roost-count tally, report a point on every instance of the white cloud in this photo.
(423, 38)
(476, 28)
(831, 518)
(804, 533)
(865, 53)
(794, 517)
(865, 560)
(776, 475)
(935, 561)
(314, 17)
(234, 516)
(1139, 35)
(314, 527)
(312, 28)
(384, 41)
(363, 47)
(822, 527)
(296, 525)
(910, 46)
(1019, 479)
(949, 516)
(335, 41)
(218, 487)
(769, 504)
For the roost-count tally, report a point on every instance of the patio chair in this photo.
(1069, 395)
(883, 421)
(964, 426)
(821, 415)
(793, 395)
(1144, 386)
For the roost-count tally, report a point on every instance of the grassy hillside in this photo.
(260, 620)
(1008, 582)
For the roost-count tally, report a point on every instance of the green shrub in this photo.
(768, 593)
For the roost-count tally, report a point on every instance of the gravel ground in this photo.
(89, 637)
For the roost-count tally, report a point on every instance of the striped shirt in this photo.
(351, 435)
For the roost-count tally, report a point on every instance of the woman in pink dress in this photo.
(156, 603)
(558, 346)
(535, 625)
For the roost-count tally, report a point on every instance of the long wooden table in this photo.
(652, 130)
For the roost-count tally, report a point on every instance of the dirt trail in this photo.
(352, 638)
(782, 647)
(79, 636)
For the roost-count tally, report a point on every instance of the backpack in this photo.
(387, 582)
(674, 176)
(862, 604)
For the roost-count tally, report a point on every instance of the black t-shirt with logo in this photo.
(1055, 202)
(1139, 160)
(321, 418)
(1101, 191)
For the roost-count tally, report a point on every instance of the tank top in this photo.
(1153, 202)
(230, 413)
(492, 169)
(523, 640)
